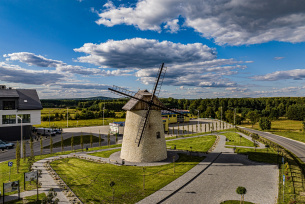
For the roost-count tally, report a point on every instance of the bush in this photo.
(264, 123)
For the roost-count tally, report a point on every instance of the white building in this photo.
(24, 103)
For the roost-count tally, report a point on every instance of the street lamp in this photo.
(198, 117)
(67, 118)
(49, 119)
(103, 113)
(21, 145)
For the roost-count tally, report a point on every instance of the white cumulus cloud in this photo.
(232, 22)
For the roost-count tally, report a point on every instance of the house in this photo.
(16, 104)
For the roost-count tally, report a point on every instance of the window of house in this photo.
(8, 105)
(26, 118)
(158, 135)
(8, 119)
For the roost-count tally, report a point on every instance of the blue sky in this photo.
(222, 48)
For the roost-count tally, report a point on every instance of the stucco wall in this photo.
(151, 148)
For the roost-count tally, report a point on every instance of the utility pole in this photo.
(221, 114)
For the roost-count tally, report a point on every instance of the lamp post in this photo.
(198, 117)
(234, 117)
(67, 118)
(103, 113)
(21, 145)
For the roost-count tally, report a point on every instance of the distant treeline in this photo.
(272, 108)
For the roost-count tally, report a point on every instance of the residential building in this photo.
(15, 103)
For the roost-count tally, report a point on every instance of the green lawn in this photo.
(105, 154)
(198, 144)
(30, 199)
(94, 187)
(4, 169)
(76, 141)
(235, 139)
(259, 155)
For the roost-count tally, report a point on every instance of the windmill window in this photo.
(158, 135)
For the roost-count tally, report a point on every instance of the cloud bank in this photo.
(232, 22)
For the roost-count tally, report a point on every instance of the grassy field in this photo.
(76, 141)
(105, 154)
(287, 128)
(94, 188)
(237, 140)
(198, 144)
(4, 169)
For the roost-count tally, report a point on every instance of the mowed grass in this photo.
(76, 141)
(287, 128)
(105, 154)
(90, 181)
(237, 140)
(79, 123)
(198, 144)
(5, 170)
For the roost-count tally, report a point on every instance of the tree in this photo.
(241, 191)
(108, 138)
(72, 142)
(51, 145)
(31, 147)
(253, 117)
(91, 139)
(62, 143)
(24, 151)
(99, 138)
(81, 141)
(264, 123)
(18, 156)
(41, 146)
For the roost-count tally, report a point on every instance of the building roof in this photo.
(134, 104)
(166, 112)
(8, 93)
(27, 98)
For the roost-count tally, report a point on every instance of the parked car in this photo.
(45, 132)
(8, 145)
(2, 146)
(57, 131)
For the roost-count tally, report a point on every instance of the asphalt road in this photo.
(68, 132)
(296, 147)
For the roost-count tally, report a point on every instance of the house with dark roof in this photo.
(17, 104)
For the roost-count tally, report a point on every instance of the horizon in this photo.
(79, 48)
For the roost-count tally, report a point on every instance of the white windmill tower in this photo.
(144, 139)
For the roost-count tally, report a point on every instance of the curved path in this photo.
(296, 147)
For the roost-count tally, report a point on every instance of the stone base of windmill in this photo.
(172, 155)
(152, 147)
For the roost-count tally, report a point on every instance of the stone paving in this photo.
(216, 178)
(211, 181)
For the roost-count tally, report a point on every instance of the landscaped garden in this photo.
(90, 181)
(237, 140)
(198, 144)
(76, 141)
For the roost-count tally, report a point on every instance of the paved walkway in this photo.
(216, 178)
(211, 181)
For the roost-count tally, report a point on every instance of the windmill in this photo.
(144, 139)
